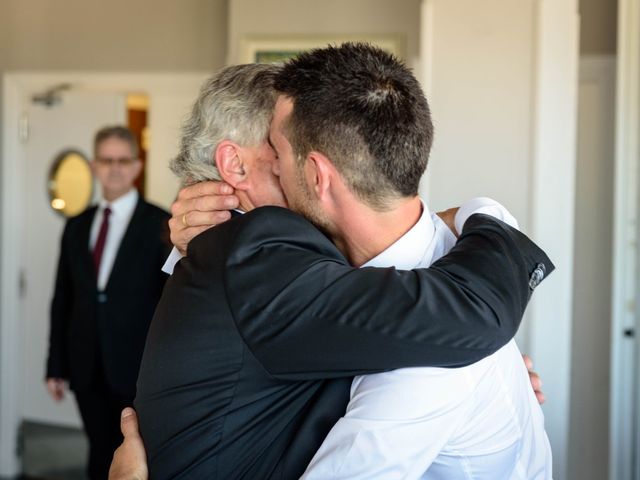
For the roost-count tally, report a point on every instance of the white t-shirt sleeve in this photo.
(173, 258)
(487, 206)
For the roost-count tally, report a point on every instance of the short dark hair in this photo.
(365, 110)
(118, 131)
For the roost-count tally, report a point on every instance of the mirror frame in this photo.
(59, 158)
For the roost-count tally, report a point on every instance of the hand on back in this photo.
(130, 458)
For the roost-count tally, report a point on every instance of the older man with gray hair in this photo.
(225, 137)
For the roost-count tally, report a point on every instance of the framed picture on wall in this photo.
(278, 48)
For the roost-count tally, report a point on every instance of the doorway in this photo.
(30, 229)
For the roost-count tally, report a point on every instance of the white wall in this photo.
(591, 346)
(328, 18)
(115, 35)
(502, 79)
(625, 361)
(479, 80)
(590, 382)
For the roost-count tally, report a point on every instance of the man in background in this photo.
(107, 286)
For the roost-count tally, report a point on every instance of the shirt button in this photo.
(102, 297)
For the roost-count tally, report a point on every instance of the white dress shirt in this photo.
(480, 422)
(121, 213)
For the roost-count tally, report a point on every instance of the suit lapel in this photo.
(128, 246)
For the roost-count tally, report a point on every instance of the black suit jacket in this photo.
(80, 337)
(250, 355)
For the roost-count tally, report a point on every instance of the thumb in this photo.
(129, 422)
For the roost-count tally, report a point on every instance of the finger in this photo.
(208, 203)
(198, 222)
(200, 219)
(540, 397)
(528, 362)
(536, 383)
(183, 229)
(181, 239)
(129, 422)
(205, 188)
(204, 203)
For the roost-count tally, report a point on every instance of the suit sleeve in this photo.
(57, 363)
(306, 314)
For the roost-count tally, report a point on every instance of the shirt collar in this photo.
(122, 205)
(408, 251)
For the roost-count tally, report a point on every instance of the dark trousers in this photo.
(100, 410)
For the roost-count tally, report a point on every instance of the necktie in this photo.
(102, 238)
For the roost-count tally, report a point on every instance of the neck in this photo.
(365, 233)
(245, 203)
(111, 196)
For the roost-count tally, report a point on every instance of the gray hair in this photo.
(116, 131)
(237, 105)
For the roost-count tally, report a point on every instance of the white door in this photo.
(624, 441)
(70, 122)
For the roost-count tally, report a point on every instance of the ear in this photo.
(229, 162)
(319, 173)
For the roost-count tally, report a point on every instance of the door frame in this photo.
(161, 87)
(625, 417)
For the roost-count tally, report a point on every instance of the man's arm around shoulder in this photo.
(335, 320)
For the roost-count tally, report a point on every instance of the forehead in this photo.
(114, 145)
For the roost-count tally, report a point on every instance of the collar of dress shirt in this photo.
(122, 206)
(408, 250)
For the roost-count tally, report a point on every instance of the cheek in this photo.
(289, 188)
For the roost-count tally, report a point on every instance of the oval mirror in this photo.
(70, 183)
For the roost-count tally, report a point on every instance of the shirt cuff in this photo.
(487, 206)
(174, 257)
